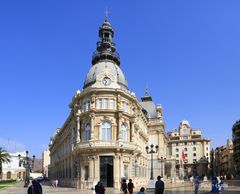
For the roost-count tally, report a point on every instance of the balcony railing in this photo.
(106, 145)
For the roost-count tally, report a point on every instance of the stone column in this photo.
(116, 172)
(96, 168)
(78, 130)
(173, 170)
(119, 127)
(92, 115)
(133, 131)
(91, 167)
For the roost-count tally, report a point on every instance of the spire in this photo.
(146, 91)
(106, 48)
(106, 14)
(146, 97)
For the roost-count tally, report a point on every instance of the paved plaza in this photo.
(170, 189)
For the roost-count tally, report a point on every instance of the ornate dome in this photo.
(106, 59)
(112, 68)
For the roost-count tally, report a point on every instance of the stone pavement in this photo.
(177, 189)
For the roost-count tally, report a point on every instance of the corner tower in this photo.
(105, 134)
(105, 71)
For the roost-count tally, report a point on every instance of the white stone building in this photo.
(106, 133)
(12, 170)
(196, 149)
(45, 162)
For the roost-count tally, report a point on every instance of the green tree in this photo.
(4, 158)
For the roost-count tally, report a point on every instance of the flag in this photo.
(183, 155)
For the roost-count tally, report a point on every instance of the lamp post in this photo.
(28, 164)
(212, 163)
(151, 151)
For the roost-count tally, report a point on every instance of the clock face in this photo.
(106, 81)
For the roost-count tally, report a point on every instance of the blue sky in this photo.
(187, 51)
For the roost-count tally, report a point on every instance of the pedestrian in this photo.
(130, 186)
(196, 184)
(124, 186)
(30, 188)
(56, 183)
(215, 188)
(97, 186)
(101, 189)
(159, 186)
(222, 184)
(36, 187)
(141, 191)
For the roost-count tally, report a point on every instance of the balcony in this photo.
(105, 145)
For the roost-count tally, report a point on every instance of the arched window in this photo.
(87, 132)
(106, 129)
(194, 148)
(124, 133)
(9, 175)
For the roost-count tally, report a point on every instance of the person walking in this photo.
(124, 186)
(159, 186)
(56, 183)
(35, 188)
(30, 188)
(130, 186)
(101, 189)
(215, 188)
(97, 186)
(196, 184)
(222, 184)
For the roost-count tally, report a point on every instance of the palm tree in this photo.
(4, 158)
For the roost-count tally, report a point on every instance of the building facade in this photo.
(224, 160)
(45, 162)
(13, 170)
(192, 152)
(106, 133)
(236, 146)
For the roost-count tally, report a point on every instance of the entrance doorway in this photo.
(106, 170)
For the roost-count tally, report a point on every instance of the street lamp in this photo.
(151, 151)
(212, 164)
(28, 164)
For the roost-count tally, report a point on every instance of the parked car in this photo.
(42, 178)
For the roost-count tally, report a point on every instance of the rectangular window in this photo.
(86, 175)
(126, 171)
(126, 108)
(105, 103)
(194, 154)
(86, 105)
(100, 103)
(177, 149)
(123, 106)
(112, 104)
(177, 155)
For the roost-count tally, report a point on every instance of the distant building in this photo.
(12, 170)
(188, 144)
(45, 162)
(224, 160)
(37, 168)
(236, 146)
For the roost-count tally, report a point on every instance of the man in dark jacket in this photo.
(159, 186)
